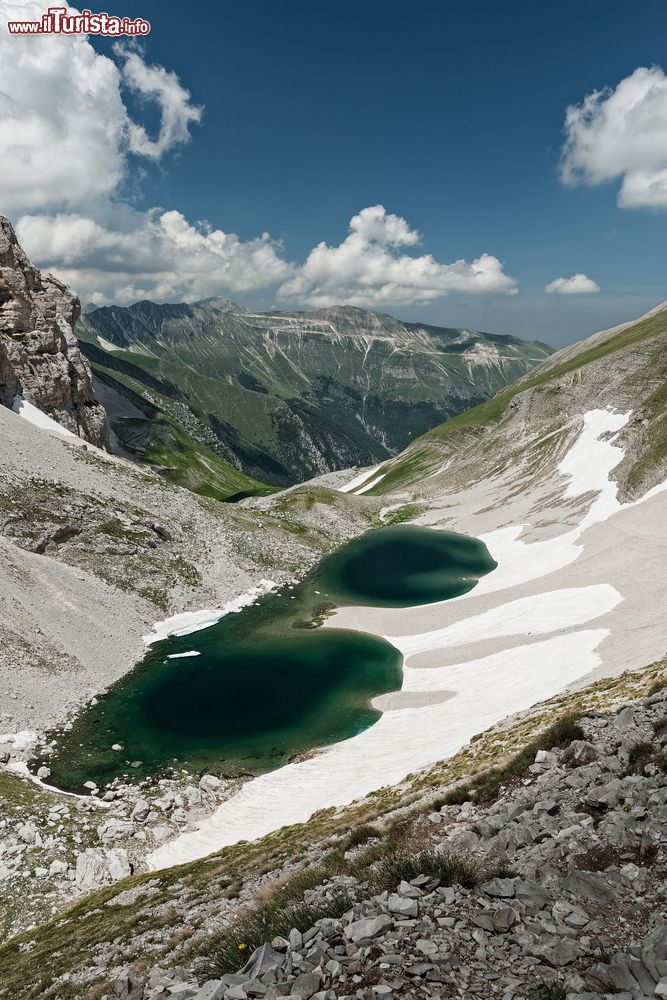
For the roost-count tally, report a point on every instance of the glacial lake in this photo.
(267, 683)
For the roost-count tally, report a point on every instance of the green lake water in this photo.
(267, 683)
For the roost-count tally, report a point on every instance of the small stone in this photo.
(401, 906)
(306, 985)
(295, 939)
(556, 952)
(502, 888)
(409, 891)
(209, 783)
(141, 810)
(504, 919)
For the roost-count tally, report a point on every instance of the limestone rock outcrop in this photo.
(40, 360)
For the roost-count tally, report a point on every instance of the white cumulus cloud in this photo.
(367, 269)
(71, 147)
(621, 133)
(156, 255)
(157, 84)
(578, 284)
(62, 118)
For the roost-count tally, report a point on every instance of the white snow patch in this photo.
(358, 480)
(21, 741)
(587, 465)
(369, 486)
(35, 416)
(193, 621)
(107, 345)
(538, 614)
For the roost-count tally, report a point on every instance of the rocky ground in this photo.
(555, 888)
(55, 847)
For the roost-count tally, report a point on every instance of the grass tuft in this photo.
(361, 834)
(643, 753)
(547, 991)
(486, 786)
(263, 923)
(403, 865)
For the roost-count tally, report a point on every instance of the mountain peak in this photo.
(221, 303)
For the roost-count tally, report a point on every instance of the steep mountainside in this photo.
(624, 368)
(285, 397)
(40, 360)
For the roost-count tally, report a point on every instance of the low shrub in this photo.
(660, 726)
(360, 835)
(639, 755)
(643, 753)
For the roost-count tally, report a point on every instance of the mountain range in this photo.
(216, 395)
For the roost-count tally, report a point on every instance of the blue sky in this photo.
(451, 116)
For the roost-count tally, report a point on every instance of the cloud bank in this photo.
(621, 133)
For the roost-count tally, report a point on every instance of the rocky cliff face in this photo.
(40, 360)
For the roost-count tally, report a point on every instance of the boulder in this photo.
(91, 870)
(368, 928)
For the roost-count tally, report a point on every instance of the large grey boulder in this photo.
(368, 928)
(262, 960)
(91, 869)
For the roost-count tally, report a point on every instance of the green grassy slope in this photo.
(151, 432)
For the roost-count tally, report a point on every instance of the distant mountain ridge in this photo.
(285, 396)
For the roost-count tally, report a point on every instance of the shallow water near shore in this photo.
(245, 695)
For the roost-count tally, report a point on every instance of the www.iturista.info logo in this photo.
(61, 21)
